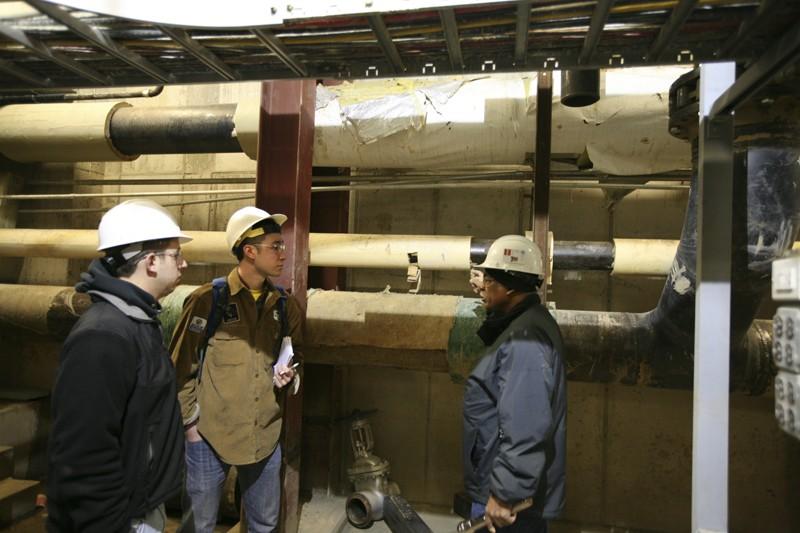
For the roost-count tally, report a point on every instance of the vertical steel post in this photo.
(286, 139)
(541, 170)
(713, 306)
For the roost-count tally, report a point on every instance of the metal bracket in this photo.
(550, 63)
(414, 273)
(685, 56)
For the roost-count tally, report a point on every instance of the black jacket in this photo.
(116, 446)
(515, 416)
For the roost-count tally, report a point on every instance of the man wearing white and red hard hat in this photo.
(231, 380)
(116, 445)
(515, 400)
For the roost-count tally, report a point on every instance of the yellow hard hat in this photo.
(241, 222)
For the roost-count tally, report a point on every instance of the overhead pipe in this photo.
(175, 130)
(434, 252)
(49, 97)
(645, 257)
(580, 88)
(352, 129)
(432, 333)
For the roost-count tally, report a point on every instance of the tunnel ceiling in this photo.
(48, 46)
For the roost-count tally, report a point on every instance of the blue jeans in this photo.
(260, 485)
(525, 522)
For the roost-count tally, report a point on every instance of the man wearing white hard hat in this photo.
(515, 402)
(236, 350)
(116, 445)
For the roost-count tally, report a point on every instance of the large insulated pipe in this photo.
(434, 333)
(60, 132)
(651, 257)
(767, 189)
(473, 122)
(645, 257)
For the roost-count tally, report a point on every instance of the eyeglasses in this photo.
(176, 254)
(277, 246)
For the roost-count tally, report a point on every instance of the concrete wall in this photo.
(629, 449)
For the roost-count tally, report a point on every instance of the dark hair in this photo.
(518, 281)
(269, 226)
(120, 267)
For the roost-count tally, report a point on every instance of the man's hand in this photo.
(192, 435)
(283, 376)
(499, 513)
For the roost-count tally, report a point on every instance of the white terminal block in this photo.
(786, 339)
(786, 279)
(787, 402)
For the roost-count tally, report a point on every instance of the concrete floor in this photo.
(325, 514)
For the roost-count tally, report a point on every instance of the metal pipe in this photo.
(234, 128)
(434, 252)
(175, 130)
(401, 517)
(437, 334)
(336, 188)
(363, 508)
(45, 98)
(580, 88)
(647, 257)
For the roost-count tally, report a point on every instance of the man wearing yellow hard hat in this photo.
(236, 351)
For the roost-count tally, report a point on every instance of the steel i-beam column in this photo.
(286, 139)
(541, 170)
(712, 348)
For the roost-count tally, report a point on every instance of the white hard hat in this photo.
(245, 218)
(137, 221)
(514, 253)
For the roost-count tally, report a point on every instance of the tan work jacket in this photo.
(235, 404)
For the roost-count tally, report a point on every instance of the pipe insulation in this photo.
(434, 252)
(436, 334)
(466, 121)
(645, 257)
(60, 132)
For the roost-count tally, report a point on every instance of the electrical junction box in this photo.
(786, 279)
(786, 343)
(787, 402)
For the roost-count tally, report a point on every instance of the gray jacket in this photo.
(515, 417)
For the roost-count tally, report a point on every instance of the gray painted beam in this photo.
(521, 37)
(780, 54)
(379, 28)
(450, 27)
(676, 19)
(38, 48)
(274, 45)
(101, 40)
(599, 18)
(24, 74)
(712, 350)
(203, 54)
(746, 28)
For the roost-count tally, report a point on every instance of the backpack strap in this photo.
(219, 299)
(282, 299)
